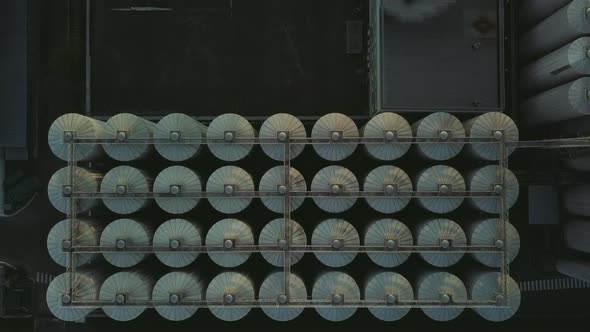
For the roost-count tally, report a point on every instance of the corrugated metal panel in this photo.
(230, 179)
(60, 239)
(280, 127)
(487, 233)
(121, 234)
(59, 185)
(576, 235)
(175, 288)
(125, 287)
(443, 233)
(443, 287)
(334, 126)
(84, 288)
(490, 287)
(230, 127)
(442, 126)
(390, 127)
(488, 179)
(177, 128)
(228, 234)
(175, 234)
(126, 126)
(337, 234)
(337, 288)
(335, 179)
(491, 125)
(415, 11)
(73, 125)
(230, 283)
(391, 180)
(578, 269)
(273, 289)
(390, 233)
(389, 288)
(121, 180)
(175, 180)
(274, 181)
(274, 234)
(442, 179)
(576, 200)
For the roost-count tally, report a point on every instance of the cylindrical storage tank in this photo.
(229, 128)
(337, 289)
(443, 180)
(494, 125)
(229, 234)
(336, 180)
(576, 200)
(122, 234)
(273, 289)
(281, 127)
(566, 102)
(63, 290)
(227, 290)
(388, 289)
(561, 66)
(444, 234)
(533, 11)
(442, 127)
(61, 239)
(274, 181)
(177, 180)
(179, 129)
(273, 234)
(124, 127)
(565, 25)
(391, 181)
(576, 235)
(122, 288)
(335, 127)
(489, 179)
(577, 269)
(75, 126)
(338, 235)
(391, 234)
(59, 188)
(489, 232)
(122, 180)
(390, 127)
(489, 286)
(176, 234)
(175, 288)
(445, 288)
(230, 181)
(415, 11)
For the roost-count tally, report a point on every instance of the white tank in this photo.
(335, 127)
(415, 11)
(390, 127)
(273, 234)
(335, 180)
(280, 127)
(444, 180)
(336, 234)
(338, 288)
(121, 234)
(442, 127)
(122, 180)
(176, 288)
(59, 241)
(445, 234)
(388, 288)
(273, 289)
(70, 126)
(533, 11)
(274, 181)
(176, 234)
(230, 288)
(491, 125)
(576, 234)
(489, 179)
(488, 233)
(122, 288)
(445, 288)
(490, 287)
(177, 128)
(124, 127)
(83, 287)
(391, 234)
(59, 188)
(229, 234)
(230, 180)
(391, 181)
(576, 200)
(177, 180)
(230, 127)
